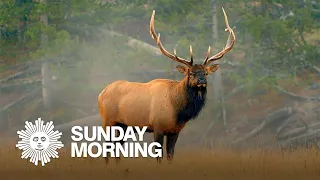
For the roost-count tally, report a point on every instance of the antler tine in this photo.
(208, 53)
(191, 55)
(162, 49)
(230, 43)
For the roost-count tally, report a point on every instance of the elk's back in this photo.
(137, 104)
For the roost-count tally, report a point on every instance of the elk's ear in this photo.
(212, 68)
(181, 69)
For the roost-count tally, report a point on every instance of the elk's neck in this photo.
(189, 101)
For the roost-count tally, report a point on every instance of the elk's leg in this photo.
(171, 142)
(105, 125)
(124, 127)
(158, 137)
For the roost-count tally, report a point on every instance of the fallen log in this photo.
(134, 42)
(315, 68)
(8, 87)
(295, 96)
(280, 114)
(305, 139)
(20, 75)
(24, 97)
(16, 67)
(4, 124)
(23, 83)
(298, 131)
(285, 123)
(292, 133)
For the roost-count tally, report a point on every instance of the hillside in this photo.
(244, 111)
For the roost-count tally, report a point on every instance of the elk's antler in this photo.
(163, 50)
(231, 41)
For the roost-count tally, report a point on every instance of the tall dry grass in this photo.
(188, 164)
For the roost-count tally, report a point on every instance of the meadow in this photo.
(92, 45)
(188, 164)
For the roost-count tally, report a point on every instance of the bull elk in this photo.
(163, 105)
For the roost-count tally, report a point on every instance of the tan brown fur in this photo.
(155, 101)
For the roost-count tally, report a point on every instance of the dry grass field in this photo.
(188, 164)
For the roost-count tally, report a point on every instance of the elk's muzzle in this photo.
(202, 82)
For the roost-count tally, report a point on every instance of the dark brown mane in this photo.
(194, 104)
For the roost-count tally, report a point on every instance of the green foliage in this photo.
(276, 29)
(20, 24)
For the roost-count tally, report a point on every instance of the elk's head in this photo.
(196, 73)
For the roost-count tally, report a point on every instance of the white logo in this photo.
(39, 142)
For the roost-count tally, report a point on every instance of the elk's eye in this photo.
(206, 74)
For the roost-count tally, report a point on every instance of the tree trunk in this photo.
(20, 27)
(45, 69)
(214, 22)
(217, 74)
(217, 86)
